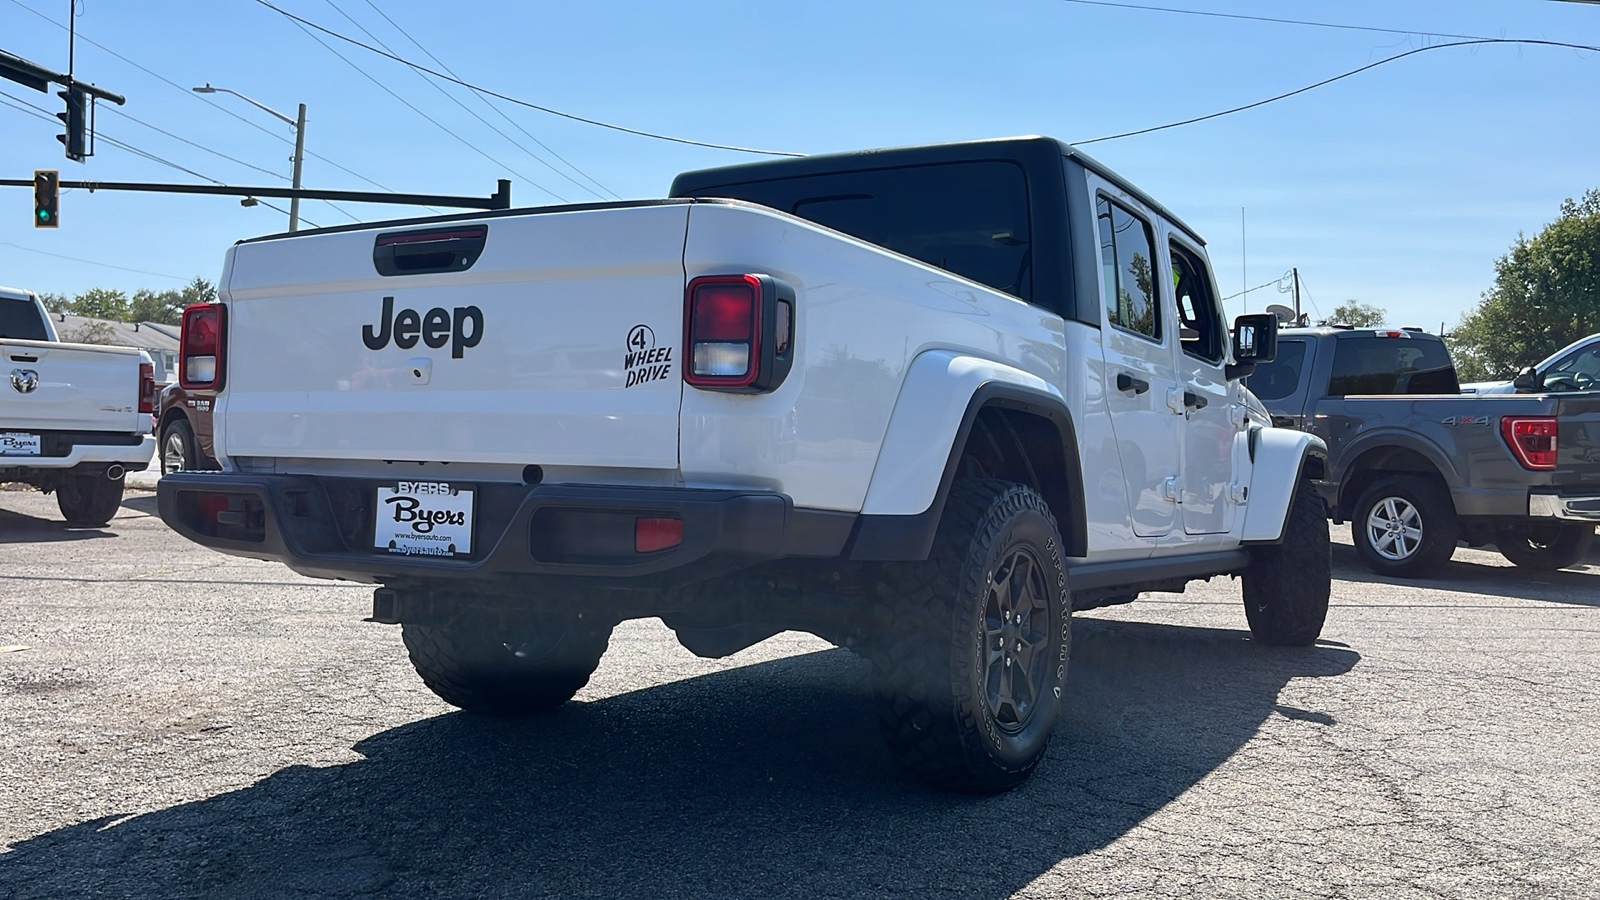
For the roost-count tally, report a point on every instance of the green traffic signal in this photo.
(46, 198)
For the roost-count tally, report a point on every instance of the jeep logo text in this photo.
(435, 328)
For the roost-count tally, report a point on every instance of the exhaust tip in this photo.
(114, 472)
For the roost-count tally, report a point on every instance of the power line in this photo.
(193, 144)
(1278, 280)
(468, 110)
(213, 104)
(88, 261)
(45, 115)
(1218, 15)
(441, 126)
(499, 112)
(1327, 81)
(510, 99)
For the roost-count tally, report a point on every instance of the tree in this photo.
(149, 306)
(197, 291)
(1361, 315)
(1546, 295)
(56, 302)
(101, 303)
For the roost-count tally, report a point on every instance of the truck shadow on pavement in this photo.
(21, 528)
(1562, 586)
(767, 780)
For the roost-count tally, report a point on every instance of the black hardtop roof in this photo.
(1024, 149)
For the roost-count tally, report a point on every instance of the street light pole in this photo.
(299, 126)
(299, 157)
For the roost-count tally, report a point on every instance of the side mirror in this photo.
(1527, 381)
(1255, 340)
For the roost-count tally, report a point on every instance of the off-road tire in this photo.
(89, 501)
(472, 662)
(939, 649)
(1435, 517)
(179, 450)
(1287, 584)
(1544, 545)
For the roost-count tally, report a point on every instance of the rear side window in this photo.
(1280, 378)
(19, 319)
(1128, 276)
(969, 218)
(1383, 365)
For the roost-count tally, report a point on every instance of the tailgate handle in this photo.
(434, 250)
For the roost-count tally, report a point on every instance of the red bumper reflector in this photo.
(650, 535)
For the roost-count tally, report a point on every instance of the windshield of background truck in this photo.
(969, 218)
(1578, 372)
(19, 319)
(1387, 365)
(1279, 379)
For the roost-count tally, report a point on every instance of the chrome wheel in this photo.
(172, 453)
(1394, 528)
(1016, 620)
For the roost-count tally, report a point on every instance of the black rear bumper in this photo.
(323, 527)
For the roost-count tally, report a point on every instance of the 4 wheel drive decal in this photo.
(435, 328)
(644, 361)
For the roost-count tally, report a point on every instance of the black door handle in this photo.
(1126, 382)
(1193, 400)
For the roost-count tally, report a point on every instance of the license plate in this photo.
(424, 518)
(17, 443)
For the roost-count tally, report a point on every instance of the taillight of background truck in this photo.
(200, 362)
(1532, 439)
(147, 387)
(738, 331)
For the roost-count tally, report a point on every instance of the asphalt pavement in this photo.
(183, 723)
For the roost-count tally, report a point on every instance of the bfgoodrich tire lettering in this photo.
(502, 664)
(970, 646)
(1405, 526)
(1287, 585)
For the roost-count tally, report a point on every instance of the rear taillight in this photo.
(147, 387)
(653, 534)
(1532, 439)
(200, 361)
(738, 332)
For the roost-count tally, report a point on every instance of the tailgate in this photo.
(548, 338)
(69, 387)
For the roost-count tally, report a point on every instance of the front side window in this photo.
(1199, 320)
(1578, 372)
(1127, 262)
(1386, 365)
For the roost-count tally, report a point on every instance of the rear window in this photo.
(1384, 365)
(969, 218)
(1281, 377)
(19, 319)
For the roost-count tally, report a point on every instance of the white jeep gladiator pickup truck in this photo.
(921, 402)
(74, 418)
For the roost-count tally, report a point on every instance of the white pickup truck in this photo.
(74, 418)
(923, 403)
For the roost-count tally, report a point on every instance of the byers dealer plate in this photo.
(18, 443)
(424, 518)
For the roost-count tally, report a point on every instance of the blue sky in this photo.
(1399, 186)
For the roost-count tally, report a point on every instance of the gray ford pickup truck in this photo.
(1414, 466)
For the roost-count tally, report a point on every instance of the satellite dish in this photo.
(1284, 314)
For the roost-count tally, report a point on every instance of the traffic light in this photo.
(75, 119)
(46, 198)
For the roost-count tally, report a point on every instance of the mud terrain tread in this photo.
(1287, 585)
(920, 639)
